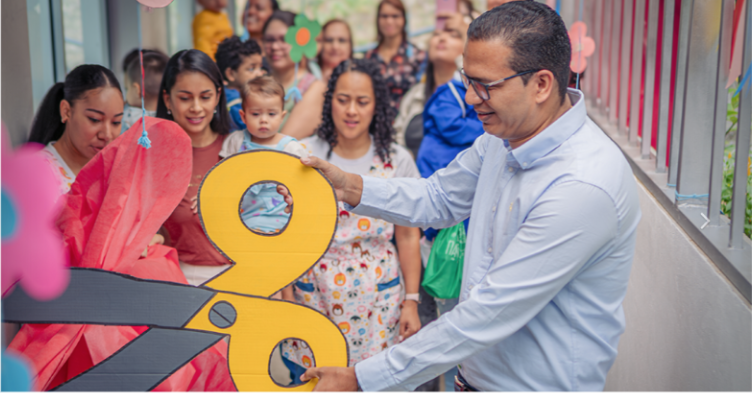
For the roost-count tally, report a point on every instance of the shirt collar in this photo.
(554, 135)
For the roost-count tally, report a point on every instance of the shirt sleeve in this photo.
(570, 225)
(439, 201)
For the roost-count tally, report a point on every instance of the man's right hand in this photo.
(347, 186)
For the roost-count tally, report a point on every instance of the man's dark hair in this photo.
(154, 66)
(535, 34)
(232, 51)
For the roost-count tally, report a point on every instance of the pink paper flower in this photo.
(155, 3)
(32, 247)
(582, 46)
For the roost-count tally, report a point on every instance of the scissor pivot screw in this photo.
(222, 315)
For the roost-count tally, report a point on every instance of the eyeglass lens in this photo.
(480, 90)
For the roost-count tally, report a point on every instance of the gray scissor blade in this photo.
(145, 362)
(101, 297)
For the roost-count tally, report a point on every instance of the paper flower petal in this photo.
(587, 46)
(296, 53)
(16, 372)
(32, 252)
(290, 35)
(578, 28)
(310, 50)
(155, 3)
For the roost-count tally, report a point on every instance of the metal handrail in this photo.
(693, 141)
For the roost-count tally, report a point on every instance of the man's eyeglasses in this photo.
(481, 89)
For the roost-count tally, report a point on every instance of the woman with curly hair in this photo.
(358, 281)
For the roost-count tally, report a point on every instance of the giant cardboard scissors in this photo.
(186, 320)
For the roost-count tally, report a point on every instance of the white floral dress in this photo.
(63, 173)
(357, 282)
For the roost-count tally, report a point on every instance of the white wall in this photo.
(687, 327)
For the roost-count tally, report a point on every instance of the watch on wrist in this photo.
(413, 296)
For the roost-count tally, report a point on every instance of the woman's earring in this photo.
(168, 112)
(215, 111)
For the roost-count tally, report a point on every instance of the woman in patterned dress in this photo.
(361, 281)
(402, 63)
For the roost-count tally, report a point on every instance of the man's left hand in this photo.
(333, 379)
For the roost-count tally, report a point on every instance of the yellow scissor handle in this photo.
(265, 264)
(257, 325)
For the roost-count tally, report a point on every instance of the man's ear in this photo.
(544, 83)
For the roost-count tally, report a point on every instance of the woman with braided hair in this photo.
(358, 281)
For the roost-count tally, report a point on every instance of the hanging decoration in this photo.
(144, 140)
(582, 47)
(302, 40)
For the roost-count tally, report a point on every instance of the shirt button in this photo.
(524, 164)
(493, 209)
(511, 169)
(490, 250)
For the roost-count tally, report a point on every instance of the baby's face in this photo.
(263, 115)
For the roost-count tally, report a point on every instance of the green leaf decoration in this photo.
(302, 38)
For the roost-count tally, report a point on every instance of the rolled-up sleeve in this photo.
(570, 225)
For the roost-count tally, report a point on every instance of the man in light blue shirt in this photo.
(550, 246)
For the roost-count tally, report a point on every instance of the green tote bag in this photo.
(443, 276)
